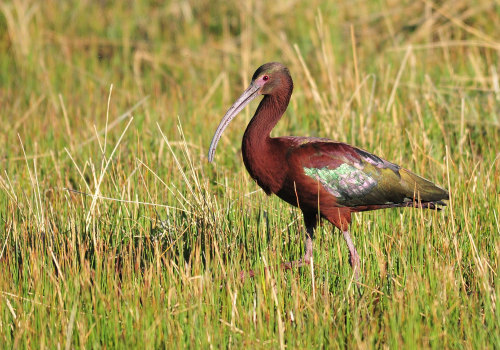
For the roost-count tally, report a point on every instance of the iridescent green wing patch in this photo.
(345, 182)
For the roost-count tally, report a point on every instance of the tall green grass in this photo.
(116, 232)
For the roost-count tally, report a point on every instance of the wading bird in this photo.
(324, 178)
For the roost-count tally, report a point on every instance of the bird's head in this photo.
(268, 79)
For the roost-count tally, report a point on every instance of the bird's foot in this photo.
(285, 266)
(247, 274)
(296, 263)
(306, 260)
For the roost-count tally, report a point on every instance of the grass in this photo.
(118, 101)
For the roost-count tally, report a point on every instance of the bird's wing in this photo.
(358, 178)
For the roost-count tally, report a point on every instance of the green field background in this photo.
(116, 232)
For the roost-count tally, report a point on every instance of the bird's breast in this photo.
(266, 165)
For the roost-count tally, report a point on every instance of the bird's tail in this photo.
(422, 191)
(424, 205)
(416, 192)
(412, 204)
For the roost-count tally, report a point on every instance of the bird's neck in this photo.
(261, 153)
(267, 115)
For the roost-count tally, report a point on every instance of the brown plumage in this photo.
(324, 178)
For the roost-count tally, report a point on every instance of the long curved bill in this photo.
(250, 93)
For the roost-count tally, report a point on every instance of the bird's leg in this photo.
(353, 254)
(306, 259)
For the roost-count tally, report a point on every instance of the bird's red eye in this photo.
(265, 77)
